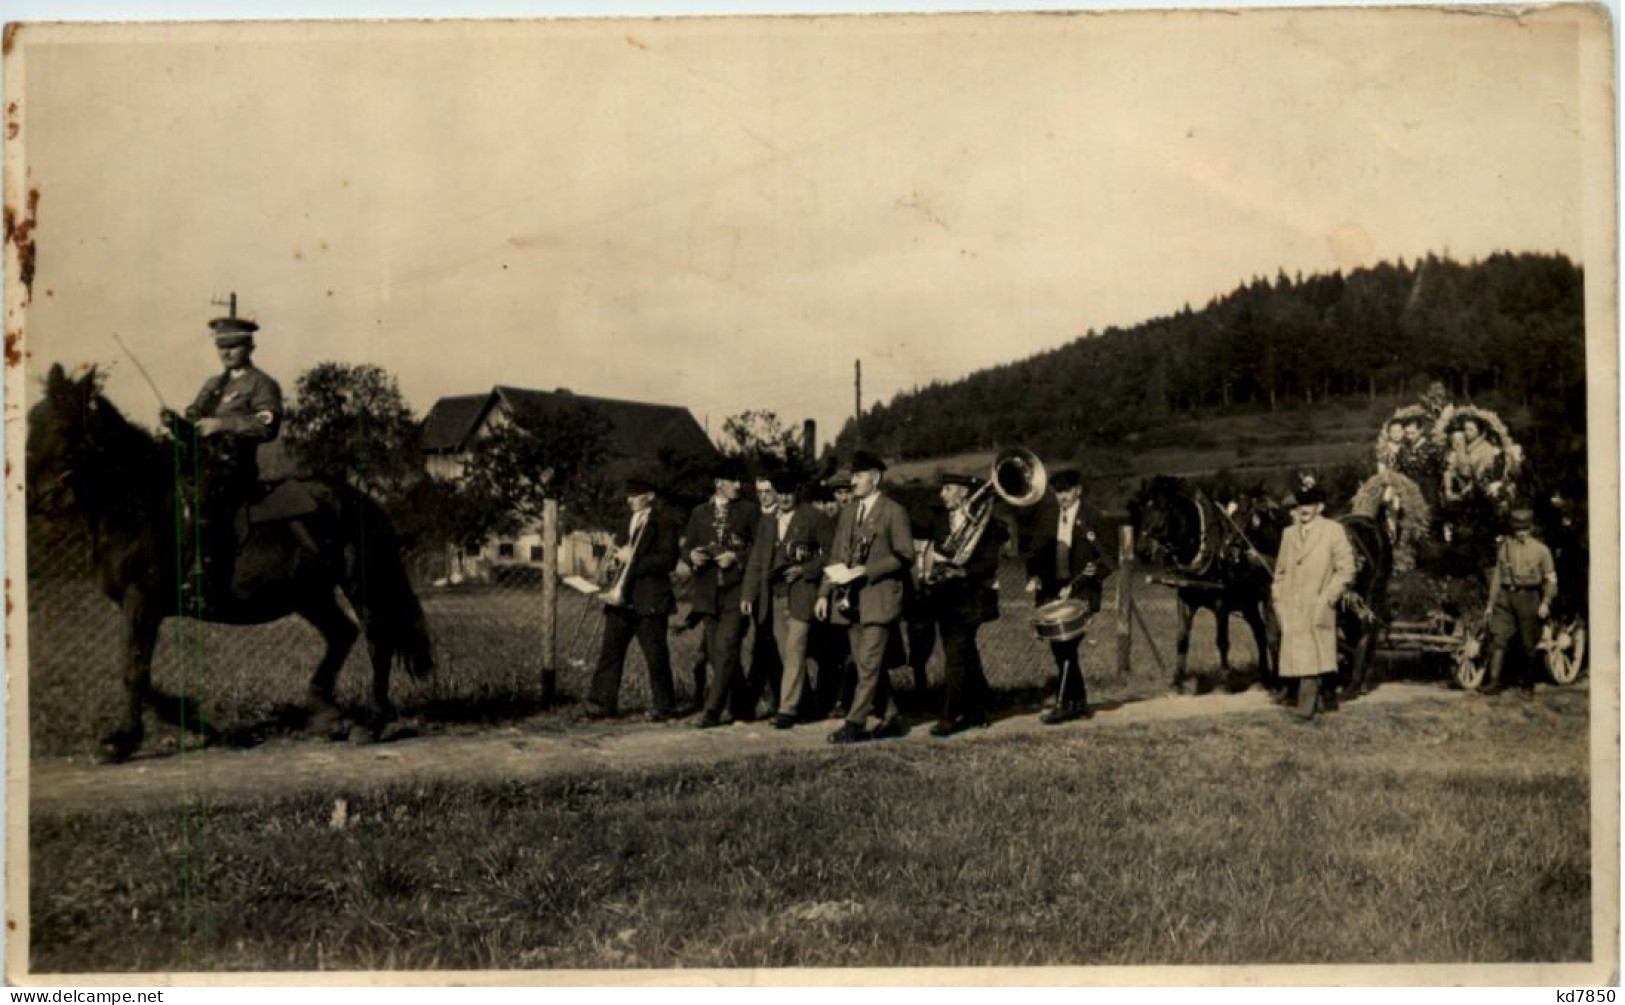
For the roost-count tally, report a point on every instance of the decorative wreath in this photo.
(1495, 431)
(1408, 512)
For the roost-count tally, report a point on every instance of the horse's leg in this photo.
(339, 632)
(380, 711)
(139, 641)
(1266, 667)
(1221, 631)
(1187, 614)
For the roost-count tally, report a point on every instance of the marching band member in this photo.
(766, 662)
(647, 552)
(873, 539)
(1069, 559)
(962, 598)
(781, 587)
(718, 539)
(829, 647)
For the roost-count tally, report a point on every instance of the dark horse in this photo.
(1364, 607)
(1215, 560)
(120, 482)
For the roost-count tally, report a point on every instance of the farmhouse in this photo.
(640, 434)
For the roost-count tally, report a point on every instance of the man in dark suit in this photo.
(647, 553)
(781, 587)
(961, 592)
(762, 672)
(873, 551)
(718, 541)
(1069, 558)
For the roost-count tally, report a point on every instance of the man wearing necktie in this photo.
(766, 663)
(1314, 567)
(718, 540)
(781, 587)
(648, 553)
(872, 535)
(1069, 559)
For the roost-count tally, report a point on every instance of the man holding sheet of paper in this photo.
(862, 589)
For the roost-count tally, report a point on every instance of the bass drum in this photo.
(1061, 620)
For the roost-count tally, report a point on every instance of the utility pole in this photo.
(857, 413)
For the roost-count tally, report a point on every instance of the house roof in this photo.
(639, 430)
(451, 422)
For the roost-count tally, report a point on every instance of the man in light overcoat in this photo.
(1314, 567)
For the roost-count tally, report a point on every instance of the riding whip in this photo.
(143, 371)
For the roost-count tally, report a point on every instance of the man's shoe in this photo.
(708, 721)
(1065, 713)
(782, 721)
(959, 724)
(659, 716)
(594, 713)
(891, 729)
(849, 733)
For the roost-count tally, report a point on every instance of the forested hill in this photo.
(1510, 328)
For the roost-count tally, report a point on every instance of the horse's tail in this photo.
(378, 586)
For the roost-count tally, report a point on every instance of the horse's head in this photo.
(1157, 515)
(73, 430)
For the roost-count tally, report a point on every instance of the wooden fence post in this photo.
(550, 599)
(1125, 599)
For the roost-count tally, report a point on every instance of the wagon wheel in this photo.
(1566, 653)
(1467, 668)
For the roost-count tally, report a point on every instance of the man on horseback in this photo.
(236, 410)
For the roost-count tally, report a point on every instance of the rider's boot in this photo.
(1308, 698)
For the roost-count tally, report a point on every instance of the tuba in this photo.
(612, 576)
(1018, 478)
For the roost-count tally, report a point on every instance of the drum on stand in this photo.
(1061, 620)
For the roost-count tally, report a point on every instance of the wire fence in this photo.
(488, 643)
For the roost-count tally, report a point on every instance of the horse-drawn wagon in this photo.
(1447, 477)
(1425, 529)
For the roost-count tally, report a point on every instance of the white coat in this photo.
(1314, 567)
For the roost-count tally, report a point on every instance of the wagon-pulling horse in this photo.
(1223, 561)
(120, 482)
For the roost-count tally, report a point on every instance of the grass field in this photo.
(1429, 831)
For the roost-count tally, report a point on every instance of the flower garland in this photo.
(1407, 512)
(1453, 417)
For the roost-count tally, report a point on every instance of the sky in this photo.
(726, 213)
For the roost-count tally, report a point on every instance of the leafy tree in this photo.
(536, 455)
(757, 437)
(350, 423)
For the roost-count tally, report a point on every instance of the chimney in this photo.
(809, 439)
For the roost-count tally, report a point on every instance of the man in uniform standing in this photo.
(876, 549)
(1522, 589)
(1069, 559)
(237, 410)
(646, 554)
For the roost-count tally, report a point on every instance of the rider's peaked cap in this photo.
(233, 331)
(1065, 478)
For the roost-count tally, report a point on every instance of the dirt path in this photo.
(291, 767)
